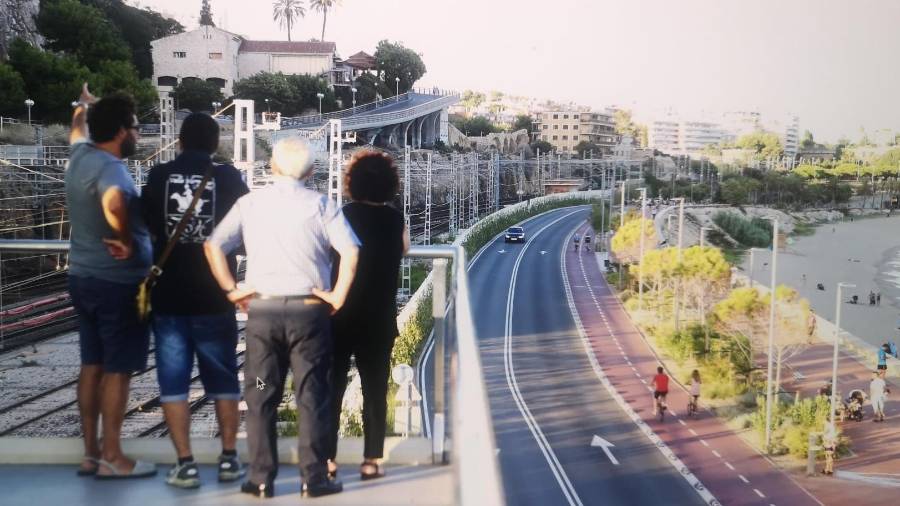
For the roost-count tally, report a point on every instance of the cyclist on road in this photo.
(660, 389)
(577, 240)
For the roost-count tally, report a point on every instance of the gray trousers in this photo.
(282, 333)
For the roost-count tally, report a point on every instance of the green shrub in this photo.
(750, 233)
(792, 424)
(17, 135)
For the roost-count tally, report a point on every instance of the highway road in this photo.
(547, 402)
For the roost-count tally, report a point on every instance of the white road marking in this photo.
(606, 445)
(559, 473)
(717, 454)
(729, 466)
(745, 480)
(758, 492)
(692, 431)
(704, 443)
(682, 422)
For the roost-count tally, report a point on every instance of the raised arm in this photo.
(79, 131)
(115, 210)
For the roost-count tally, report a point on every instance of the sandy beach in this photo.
(865, 252)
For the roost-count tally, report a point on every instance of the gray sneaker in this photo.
(230, 468)
(185, 475)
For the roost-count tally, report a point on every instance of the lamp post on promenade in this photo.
(320, 96)
(397, 94)
(641, 256)
(769, 386)
(837, 336)
(269, 110)
(678, 294)
(353, 90)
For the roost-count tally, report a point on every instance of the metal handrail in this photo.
(356, 121)
(476, 473)
(313, 119)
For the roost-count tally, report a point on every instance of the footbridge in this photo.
(417, 118)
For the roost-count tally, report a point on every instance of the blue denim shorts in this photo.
(213, 339)
(110, 334)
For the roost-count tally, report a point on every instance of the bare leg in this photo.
(113, 398)
(227, 413)
(89, 408)
(178, 419)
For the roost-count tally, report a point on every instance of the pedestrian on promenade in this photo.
(288, 232)
(696, 384)
(877, 392)
(871, 298)
(367, 324)
(829, 444)
(878, 299)
(110, 255)
(191, 315)
(883, 352)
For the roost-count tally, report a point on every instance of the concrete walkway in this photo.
(58, 485)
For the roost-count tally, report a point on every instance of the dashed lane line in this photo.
(745, 480)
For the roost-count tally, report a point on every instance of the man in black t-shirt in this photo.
(191, 314)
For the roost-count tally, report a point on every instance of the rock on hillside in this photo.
(17, 21)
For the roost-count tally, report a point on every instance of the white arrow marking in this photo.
(543, 252)
(606, 445)
(502, 251)
(260, 384)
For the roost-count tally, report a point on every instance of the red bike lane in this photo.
(734, 472)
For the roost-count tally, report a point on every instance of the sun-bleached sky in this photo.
(832, 62)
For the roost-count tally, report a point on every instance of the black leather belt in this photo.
(309, 299)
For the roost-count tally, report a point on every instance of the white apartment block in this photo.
(218, 56)
(684, 137)
(664, 135)
(566, 129)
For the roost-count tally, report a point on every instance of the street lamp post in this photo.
(320, 96)
(215, 106)
(641, 255)
(678, 291)
(28, 104)
(622, 224)
(353, 90)
(397, 94)
(269, 110)
(837, 338)
(769, 386)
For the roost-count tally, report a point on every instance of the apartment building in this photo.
(566, 128)
(680, 136)
(664, 135)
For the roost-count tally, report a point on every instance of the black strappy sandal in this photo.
(363, 476)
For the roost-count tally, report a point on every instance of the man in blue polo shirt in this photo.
(110, 256)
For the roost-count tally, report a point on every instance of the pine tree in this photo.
(206, 14)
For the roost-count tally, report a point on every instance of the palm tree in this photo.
(285, 12)
(323, 6)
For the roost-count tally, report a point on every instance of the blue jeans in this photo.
(213, 339)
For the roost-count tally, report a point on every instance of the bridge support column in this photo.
(405, 129)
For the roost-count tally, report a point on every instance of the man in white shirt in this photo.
(877, 393)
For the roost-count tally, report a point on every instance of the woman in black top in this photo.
(366, 325)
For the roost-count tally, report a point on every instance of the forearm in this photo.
(346, 273)
(115, 210)
(79, 131)
(218, 264)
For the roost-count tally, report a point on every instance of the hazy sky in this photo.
(832, 62)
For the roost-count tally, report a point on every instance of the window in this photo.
(574, 127)
(215, 56)
(179, 54)
(565, 137)
(555, 137)
(546, 127)
(575, 116)
(565, 116)
(565, 127)
(574, 137)
(543, 137)
(556, 127)
(556, 116)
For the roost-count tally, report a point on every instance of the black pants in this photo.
(280, 334)
(373, 360)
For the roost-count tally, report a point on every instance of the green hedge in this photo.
(751, 233)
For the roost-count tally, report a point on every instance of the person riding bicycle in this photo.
(695, 389)
(660, 389)
(577, 240)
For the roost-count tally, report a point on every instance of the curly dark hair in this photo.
(371, 176)
(109, 115)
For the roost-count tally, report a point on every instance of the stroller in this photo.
(854, 403)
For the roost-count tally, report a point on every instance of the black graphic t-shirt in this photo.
(187, 286)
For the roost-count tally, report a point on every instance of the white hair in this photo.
(292, 157)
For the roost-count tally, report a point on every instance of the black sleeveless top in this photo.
(371, 305)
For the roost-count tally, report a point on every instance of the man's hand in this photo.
(335, 301)
(86, 97)
(118, 249)
(241, 297)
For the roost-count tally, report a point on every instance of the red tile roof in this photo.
(280, 46)
(361, 60)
